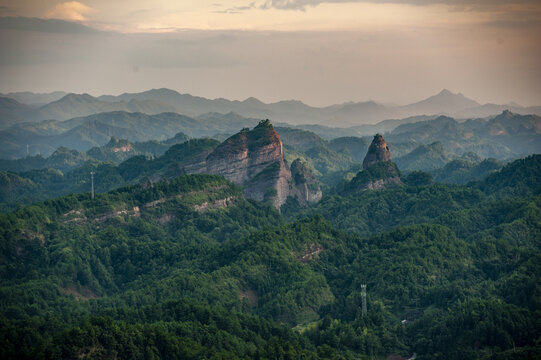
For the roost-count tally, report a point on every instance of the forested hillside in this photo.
(188, 268)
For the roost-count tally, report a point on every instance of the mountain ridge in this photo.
(292, 111)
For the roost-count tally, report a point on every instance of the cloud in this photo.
(237, 9)
(296, 4)
(71, 10)
(302, 4)
(44, 25)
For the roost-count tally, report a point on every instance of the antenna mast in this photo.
(92, 180)
(363, 295)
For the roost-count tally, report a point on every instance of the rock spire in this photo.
(377, 152)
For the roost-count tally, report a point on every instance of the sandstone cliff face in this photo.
(254, 160)
(246, 154)
(377, 152)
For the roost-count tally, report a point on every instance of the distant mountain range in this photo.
(83, 133)
(504, 136)
(36, 99)
(294, 112)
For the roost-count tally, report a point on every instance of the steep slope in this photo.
(379, 171)
(254, 159)
(377, 152)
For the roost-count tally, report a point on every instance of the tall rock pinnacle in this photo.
(379, 172)
(377, 152)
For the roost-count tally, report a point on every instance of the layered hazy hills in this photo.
(427, 145)
(10, 112)
(504, 136)
(116, 150)
(291, 111)
(73, 105)
(36, 99)
(296, 112)
(86, 132)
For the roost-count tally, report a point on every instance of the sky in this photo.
(321, 52)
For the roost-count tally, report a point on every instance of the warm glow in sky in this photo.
(149, 15)
(318, 51)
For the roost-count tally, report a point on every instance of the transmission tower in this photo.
(92, 181)
(363, 295)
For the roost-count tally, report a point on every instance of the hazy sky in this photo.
(317, 51)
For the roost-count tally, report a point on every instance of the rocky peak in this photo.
(379, 172)
(377, 152)
(243, 155)
(115, 142)
(254, 160)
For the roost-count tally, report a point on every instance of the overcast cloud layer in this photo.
(325, 52)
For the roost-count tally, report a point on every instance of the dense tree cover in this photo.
(369, 212)
(420, 200)
(37, 185)
(116, 150)
(519, 178)
(188, 268)
(462, 171)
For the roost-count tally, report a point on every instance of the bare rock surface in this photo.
(377, 152)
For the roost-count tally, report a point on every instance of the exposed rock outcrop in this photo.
(254, 159)
(379, 171)
(377, 152)
(216, 204)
